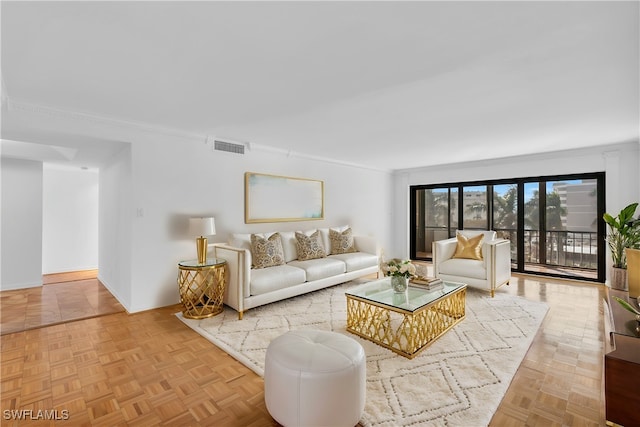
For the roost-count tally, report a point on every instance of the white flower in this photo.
(397, 267)
(412, 269)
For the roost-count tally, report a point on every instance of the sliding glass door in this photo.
(561, 226)
(434, 221)
(554, 223)
(505, 216)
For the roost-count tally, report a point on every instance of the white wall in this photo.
(115, 226)
(21, 224)
(620, 162)
(176, 179)
(70, 219)
(150, 189)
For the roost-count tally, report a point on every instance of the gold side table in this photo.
(201, 287)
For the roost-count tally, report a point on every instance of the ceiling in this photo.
(386, 85)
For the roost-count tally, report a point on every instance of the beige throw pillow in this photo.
(267, 252)
(341, 241)
(309, 247)
(469, 248)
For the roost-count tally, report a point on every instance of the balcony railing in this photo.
(574, 249)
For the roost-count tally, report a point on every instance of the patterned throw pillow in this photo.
(469, 248)
(267, 252)
(309, 247)
(341, 241)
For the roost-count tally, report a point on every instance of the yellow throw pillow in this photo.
(469, 248)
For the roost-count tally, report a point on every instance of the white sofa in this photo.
(493, 271)
(249, 287)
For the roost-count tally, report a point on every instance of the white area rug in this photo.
(458, 381)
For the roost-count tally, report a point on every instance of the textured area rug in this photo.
(457, 381)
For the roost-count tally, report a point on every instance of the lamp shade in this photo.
(202, 226)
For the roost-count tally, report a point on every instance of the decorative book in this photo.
(427, 282)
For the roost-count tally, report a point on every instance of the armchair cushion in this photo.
(464, 268)
(488, 272)
(469, 247)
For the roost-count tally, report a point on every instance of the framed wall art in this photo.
(273, 198)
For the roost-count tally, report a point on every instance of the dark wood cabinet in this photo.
(622, 363)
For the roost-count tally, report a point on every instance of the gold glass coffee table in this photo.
(404, 322)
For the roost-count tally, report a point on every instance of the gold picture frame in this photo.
(275, 198)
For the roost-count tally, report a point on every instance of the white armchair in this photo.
(489, 273)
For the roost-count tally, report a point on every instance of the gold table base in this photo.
(401, 331)
(202, 290)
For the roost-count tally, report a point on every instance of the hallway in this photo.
(63, 298)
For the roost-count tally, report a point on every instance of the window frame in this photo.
(599, 177)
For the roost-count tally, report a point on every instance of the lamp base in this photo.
(201, 247)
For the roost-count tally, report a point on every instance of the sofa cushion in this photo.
(270, 279)
(341, 241)
(324, 235)
(464, 268)
(469, 247)
(289, 245)
(309, 246)
(357, 260)
(266, 252)
(320, 268)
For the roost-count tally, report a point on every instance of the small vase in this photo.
(399, 283)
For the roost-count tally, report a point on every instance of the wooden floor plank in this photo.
(69, 276)
(47, 305)
(149, 369)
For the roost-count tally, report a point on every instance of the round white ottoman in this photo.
(315, 378)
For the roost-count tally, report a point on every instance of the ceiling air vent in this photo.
(228, 147)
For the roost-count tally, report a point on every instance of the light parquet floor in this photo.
(150, 369)
(61, 299)
(70, 276)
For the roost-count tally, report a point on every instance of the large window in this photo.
(554, 223)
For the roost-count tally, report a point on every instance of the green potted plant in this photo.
(624, 232)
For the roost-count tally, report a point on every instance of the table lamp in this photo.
(202, 227)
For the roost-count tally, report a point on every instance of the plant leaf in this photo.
(609, 219)
(628, 306)
(627, 213)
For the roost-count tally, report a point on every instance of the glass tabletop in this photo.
(414, 298)
(193, 263)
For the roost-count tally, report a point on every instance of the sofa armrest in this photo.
(238, 275)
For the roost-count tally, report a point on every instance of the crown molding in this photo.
(19, 105)
(610, 150)
(252, 146)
